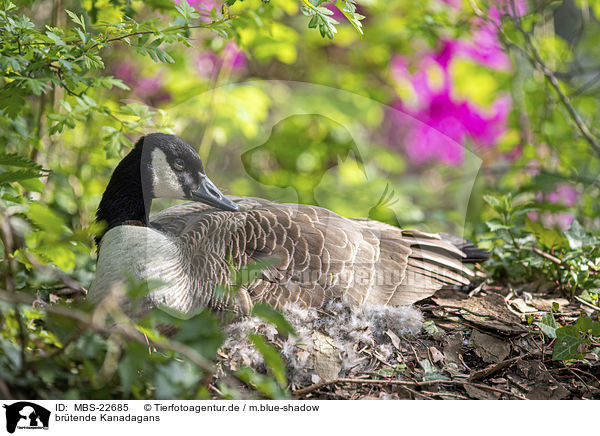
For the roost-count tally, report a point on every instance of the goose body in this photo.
(310, 255)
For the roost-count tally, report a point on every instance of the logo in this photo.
(26, 415)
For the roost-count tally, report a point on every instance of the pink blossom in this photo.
(147, 86)
(564, 194)
(337, 10)
(233, 55)
(485, 47)
(515, 153)
(201, 4)
(438, 111)
(206, 64)
(551, 220)
(337, 14)
(149, 89)
(454, 3)
(127, 72)
(457, 121)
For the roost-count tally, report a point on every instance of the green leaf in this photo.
(495, 224)
(60, 254)
(201, 332)
(578, 236)
(12, 101)
(585, 324)
(17, 176)
(432, 328)
(46, 219)
(37, 86)
(568, 345)
(137, 289)
(271, 357)
(131, 365)
(321, 19)
(492, 201)
(548, 325)
(269, 314)
(262, 383)
(430, 372)
(32, 185)
(11, 352)
(349, 11)
(550, 238)
(16, 160)
(186, 11)
(76, 19)
(55, 38)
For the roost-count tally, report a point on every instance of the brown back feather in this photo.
(316, 255)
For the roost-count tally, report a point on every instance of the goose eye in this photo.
(178, 164)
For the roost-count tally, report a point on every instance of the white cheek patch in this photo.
(165, 183)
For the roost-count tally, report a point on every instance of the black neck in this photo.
(123, 200)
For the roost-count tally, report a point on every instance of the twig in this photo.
(580, 379)
(491, 369)
(216, 390)
(447, 394)
(585, 303)
(417, 393)
(317, 386)
(536, 60)
(146, 32)
(589, 374)
(551, 258)
(66, 280)
(478, 289)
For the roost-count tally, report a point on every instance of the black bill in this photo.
(209, 194)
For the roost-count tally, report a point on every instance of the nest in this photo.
(338, 340)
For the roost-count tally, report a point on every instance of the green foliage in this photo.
(572, 342)
(320, 17)
(67, 359)
(271, 357)
(526, 250)
(548, 325)
(267, 313)
(28, 170)
(512, 255)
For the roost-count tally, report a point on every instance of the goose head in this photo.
(170, 168)
(159, 166)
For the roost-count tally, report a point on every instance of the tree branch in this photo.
(311, 388)
(146, 32)
(534, 57)
(537, 61)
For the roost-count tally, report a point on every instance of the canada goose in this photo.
(316, 256)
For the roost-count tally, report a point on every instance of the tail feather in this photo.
(473, 253)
